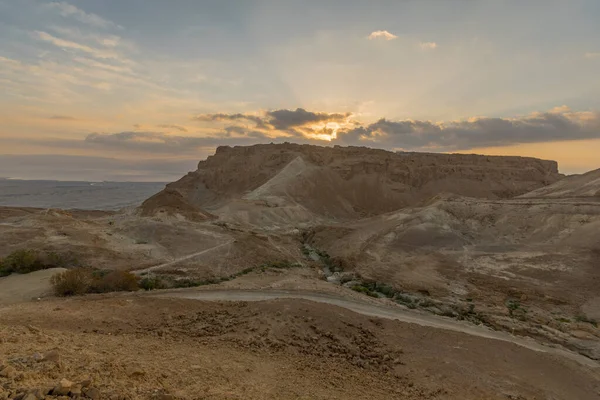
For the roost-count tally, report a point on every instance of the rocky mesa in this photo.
(346, 182)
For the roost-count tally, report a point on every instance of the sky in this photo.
(142, 90)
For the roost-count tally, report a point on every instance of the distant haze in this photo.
(142, 90)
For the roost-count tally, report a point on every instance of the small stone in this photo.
(63, 388)
(47, 390)
(38, 393)
(8, 372)
(51, 356)
(91, 392)
(30, 396)
(86, 383)
(75, 391)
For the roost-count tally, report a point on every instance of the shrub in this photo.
(73, 282)
(115, 281)
(153, 283)
(79, 281)
(365, 290)
(24, 261)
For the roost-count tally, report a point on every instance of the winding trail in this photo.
(380, 311)
(180, 259)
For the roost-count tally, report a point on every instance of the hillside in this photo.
(585, 185)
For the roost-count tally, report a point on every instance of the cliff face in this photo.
(356, 181)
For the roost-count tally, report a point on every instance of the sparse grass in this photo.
(586, 319)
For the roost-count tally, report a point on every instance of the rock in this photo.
(63, 388)
(51, 356)
(30, 396)
(8, 372)
(38, 357)
(47, 390)
(92, 393)
(75, 391)
(86, 383)
(38, 393)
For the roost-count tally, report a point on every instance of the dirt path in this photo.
(178, 260)
(378, 311)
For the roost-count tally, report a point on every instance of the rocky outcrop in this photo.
(354, 182)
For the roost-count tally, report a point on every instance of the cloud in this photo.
(475, 132)
(231, 117)
(161, 143)
(428, 45)
(69, 10)
(67, 44)
(278, 120)
(592, 55)
(382, 35)
(285, 119)
(177, 127)
(62, 118)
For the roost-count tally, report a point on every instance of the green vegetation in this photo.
(24, 261)
(152, 283)
(365, 290)
(515, 310)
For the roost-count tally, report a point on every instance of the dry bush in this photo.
(73, 282)
(115, 281)
(79, 281)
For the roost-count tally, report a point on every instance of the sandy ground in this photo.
(133, 346)
(18, 288)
